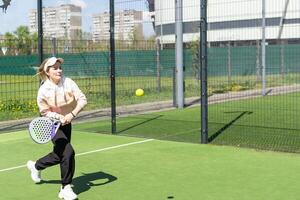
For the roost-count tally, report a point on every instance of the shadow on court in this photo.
(220, 131)
(86, 181)
(140, 123)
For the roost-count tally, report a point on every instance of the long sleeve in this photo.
(79, 97)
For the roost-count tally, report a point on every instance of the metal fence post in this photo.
(229, 62)
(179, 54)
(158, 65)
(112, 66)
(40, 30)
(263, 48)
(203, 64)
(174, 87)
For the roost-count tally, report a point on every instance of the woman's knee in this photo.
(69, 151)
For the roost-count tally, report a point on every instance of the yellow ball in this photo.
(139, 92)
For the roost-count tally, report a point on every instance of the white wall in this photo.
(231, 10)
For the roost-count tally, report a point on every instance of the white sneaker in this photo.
(35, 174)
(67, 193)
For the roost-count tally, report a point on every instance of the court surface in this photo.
(127, 168)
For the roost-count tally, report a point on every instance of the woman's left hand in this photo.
(69, 117)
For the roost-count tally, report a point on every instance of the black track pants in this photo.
(63, 154)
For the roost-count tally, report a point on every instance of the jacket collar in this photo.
(49, 83)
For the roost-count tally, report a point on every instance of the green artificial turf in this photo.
(151, 170)
(269, 123)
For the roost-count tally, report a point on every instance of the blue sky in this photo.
(17, 12)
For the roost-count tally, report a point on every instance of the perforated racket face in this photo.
(42, 129)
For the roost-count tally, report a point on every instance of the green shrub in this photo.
(18, 106)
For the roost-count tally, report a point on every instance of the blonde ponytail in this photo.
(41, 72)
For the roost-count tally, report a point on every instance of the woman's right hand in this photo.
(68, 118)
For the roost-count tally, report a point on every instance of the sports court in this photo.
(187, 99)
(123, 166)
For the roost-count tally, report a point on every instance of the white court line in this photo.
(89, 152)
(113, 147)
(11, 168)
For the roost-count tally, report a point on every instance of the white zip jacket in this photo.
(63, 98)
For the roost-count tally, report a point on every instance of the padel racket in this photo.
(43, 129)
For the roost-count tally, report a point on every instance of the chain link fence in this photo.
(241, 111)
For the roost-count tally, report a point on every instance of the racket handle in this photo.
(55, 127)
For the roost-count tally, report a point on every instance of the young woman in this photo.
(58, 97)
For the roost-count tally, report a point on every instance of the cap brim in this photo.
(51, 61)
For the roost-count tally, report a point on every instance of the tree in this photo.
(23, 40)
(9, 42)
(34, 42)
(20, 41)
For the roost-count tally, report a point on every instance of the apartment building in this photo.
(64, 21)
(126, 23)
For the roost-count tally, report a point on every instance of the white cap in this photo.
(51, 61)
